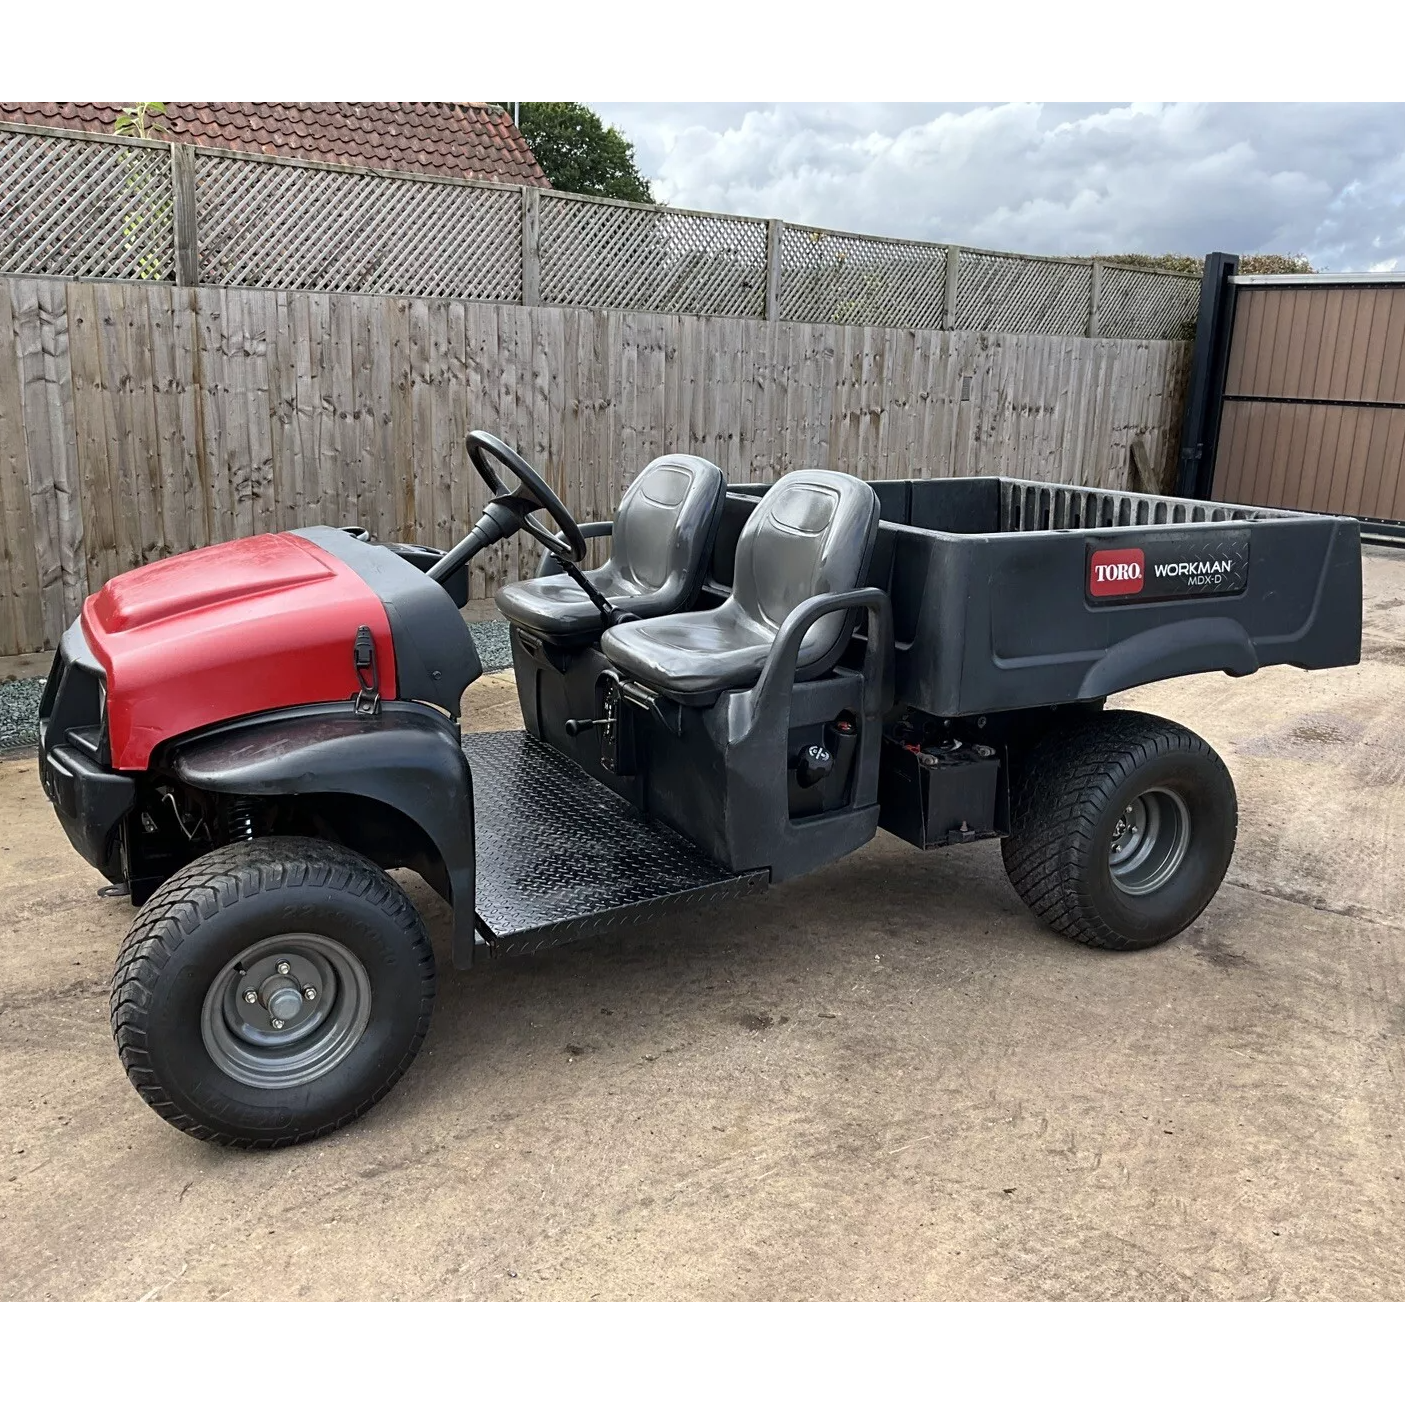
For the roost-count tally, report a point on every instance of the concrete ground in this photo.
(882, 1081)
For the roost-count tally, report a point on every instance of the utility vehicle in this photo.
(246, 737)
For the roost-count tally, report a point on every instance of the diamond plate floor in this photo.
(560, 856)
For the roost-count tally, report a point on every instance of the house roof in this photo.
(467, 139)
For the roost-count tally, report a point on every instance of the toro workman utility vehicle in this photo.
(248, 736)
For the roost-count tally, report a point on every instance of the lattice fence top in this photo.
(1132, 305)
(829, 277)
(83, 206)
(1007, 293)
(604, 254)
(85, 209)
(274, 225)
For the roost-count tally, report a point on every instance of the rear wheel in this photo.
(272, 991)
(1121, 830)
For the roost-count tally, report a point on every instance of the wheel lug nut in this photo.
(251, 997)
(283, 968)
(309, 993)
(277, 1024)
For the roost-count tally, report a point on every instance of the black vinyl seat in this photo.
(660, 542)
(811, 534)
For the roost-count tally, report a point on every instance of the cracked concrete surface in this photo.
(882, 1081)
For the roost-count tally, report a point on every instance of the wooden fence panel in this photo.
(21, 610)
(40, 351)
(142, 419)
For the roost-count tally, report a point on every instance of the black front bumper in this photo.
(89, 797)
(91, 803)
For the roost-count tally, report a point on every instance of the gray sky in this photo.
(1325, 180)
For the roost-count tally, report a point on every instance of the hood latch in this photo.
(363, 660)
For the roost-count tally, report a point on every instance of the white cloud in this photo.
(1323, 179)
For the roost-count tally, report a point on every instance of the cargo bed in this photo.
(1011, 594)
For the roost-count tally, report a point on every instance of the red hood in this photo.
(224, 631)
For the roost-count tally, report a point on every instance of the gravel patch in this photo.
(19, 712)
(493, 646)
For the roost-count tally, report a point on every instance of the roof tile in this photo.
(466, 139)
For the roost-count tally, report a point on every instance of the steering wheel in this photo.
(530, 495)
(509, 512)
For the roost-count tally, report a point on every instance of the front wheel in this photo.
(272, 991)
(1121, 829)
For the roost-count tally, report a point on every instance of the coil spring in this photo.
(240, 821)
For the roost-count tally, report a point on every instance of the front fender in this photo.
(407, 757)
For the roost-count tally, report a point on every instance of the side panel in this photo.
(408, 758)
(1042, 638)
(999, 622)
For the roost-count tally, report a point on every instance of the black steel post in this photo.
(1205, 395)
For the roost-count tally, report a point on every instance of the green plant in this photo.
(579, 153)
(142, 119)
(148, 194)
(1274, 263)
(1187, 263)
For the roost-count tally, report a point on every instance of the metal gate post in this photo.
(1204, 399)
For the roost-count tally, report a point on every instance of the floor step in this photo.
(561, 856)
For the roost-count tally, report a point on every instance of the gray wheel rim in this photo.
(286, 1011)
(1149, 842)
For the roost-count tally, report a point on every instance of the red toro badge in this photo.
(1116, 572)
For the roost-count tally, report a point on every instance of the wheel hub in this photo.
(1149, 842)
(286, 1010)
(281, 997)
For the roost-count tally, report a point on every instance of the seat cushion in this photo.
(708, 651)
(660, 542)
(558, 607)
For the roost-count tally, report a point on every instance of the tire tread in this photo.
(220, 879)
(1057, 799)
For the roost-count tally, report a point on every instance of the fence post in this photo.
(183, 223)
(774, 229)
(1094, 285)
(531, 246)
(953, 282)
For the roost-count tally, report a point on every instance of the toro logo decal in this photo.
(1117, 572)
(1179, 562)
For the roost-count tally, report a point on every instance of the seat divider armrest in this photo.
(773, 688)
(765, 710)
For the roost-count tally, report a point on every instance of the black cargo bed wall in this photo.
(995, 623)
(1043, 507)
(984, 506)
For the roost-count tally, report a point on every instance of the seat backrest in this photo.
(811, 534)
(664, 529)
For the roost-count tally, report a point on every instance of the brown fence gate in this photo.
(1313, 414)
